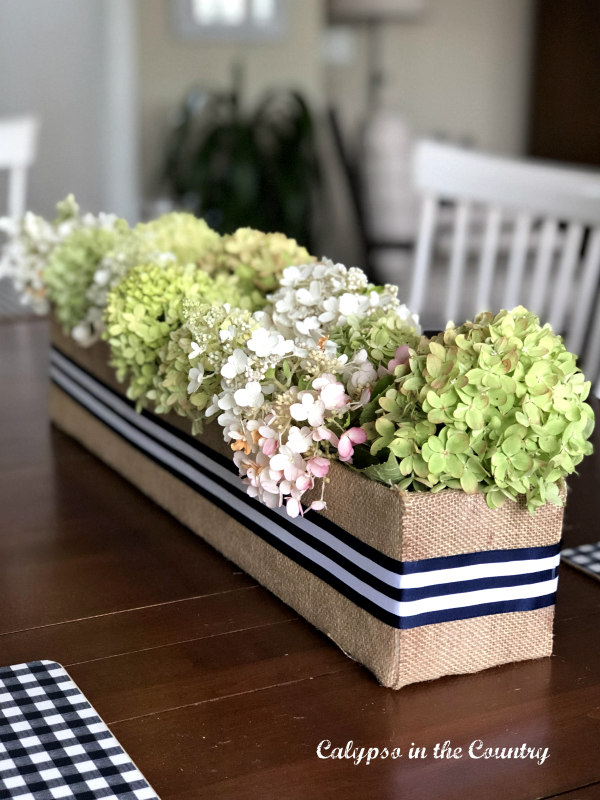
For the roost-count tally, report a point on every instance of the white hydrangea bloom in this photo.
(235, 365)
(250, 396)
(30, 241)
(284, 437)
(195, 376)
(265, 343)
(315, 298)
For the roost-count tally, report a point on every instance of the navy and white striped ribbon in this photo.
(403, 594)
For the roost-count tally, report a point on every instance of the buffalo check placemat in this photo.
(586, 557)
(54, 745)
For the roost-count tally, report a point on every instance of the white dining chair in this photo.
(18, 148)
(522, 233)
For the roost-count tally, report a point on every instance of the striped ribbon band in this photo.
(403, 594)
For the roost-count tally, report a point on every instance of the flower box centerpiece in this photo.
(403, 493)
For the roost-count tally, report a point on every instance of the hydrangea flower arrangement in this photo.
(253, 259)
(189, 370)
(303, 362)
(496, 405)
(187, 238)
(173, 238)
(145, 307)
(280, 391)
(381, 334)
(30, 243)
(259, 258)
(72, 265)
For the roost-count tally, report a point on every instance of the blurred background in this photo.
(294, 115)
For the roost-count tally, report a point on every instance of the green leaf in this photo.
(511, 445)
(555, 425)
(378, 444)
(495, 498)
(401, 447)
(434, 365)
(385, 427)
(436, 463)
(433, 399)
(522, 462)
(435, 444)
(454, 466)
(457, 442)
(468, 482)
(549, 444)
(420, 466)
(385, 473)
(474, 419)
(382, 384)
(362, 458)
(411, 384)
(438, 350)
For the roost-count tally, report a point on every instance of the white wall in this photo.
(460, 69)
(50, 56)
(66, 61)
(169, 67)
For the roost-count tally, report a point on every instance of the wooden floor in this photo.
(218, 690)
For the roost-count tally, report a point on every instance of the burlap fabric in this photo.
(403, 525)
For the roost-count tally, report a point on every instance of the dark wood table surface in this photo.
(217, 689)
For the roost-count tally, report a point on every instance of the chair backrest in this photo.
(18, 145)
(542, 221)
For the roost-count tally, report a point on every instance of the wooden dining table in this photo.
(217, 689)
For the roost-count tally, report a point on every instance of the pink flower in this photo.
(331, 392)
(317, 505)
(401, 356)
(288, 462)
(318, 466)
(304, 483)
(349, 438)
(269, 440)
(324, 380)
(334, 396)
(269, 446)
(324, 433)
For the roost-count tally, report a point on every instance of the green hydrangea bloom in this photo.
(188, 238)
(496, 405)
(145, 308)
(216, 330)
(259, 258)
(173, 238)
(379, 333)
(72, 265)
(67, 210)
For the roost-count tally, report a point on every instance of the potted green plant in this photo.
(238, 168)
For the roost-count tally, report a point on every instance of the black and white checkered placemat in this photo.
(54, 745)
(586, 557)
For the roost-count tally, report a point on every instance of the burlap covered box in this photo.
(414, 586)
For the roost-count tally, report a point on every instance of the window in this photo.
(230, 20)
